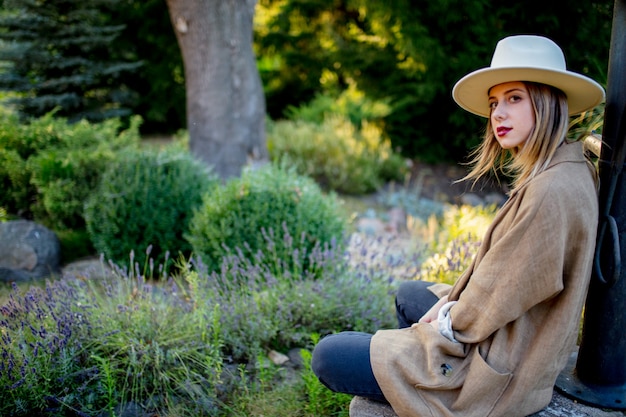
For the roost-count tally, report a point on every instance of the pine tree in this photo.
(58, 54)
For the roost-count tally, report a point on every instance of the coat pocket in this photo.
(482, 388)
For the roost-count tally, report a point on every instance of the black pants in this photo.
(342, 361)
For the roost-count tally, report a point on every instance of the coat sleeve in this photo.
(524, 267)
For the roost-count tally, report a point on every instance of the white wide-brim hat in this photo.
(527, 58)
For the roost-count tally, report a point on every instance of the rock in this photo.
(496, 199)
(560, 406)
(278, 358)
(295, 356)
(93, 267)
(472, 199)
(362, 407)
(28, 251)
(397, 220)
(371, 226)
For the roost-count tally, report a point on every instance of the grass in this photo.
(196, 344)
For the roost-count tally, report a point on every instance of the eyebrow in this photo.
(508, 91)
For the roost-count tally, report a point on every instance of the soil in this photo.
(439, 182)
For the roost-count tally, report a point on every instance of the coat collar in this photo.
(566, 152)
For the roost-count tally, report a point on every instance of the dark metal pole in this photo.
(597, 374)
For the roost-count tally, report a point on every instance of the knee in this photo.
(404, 288)
(415, 292)
(321, 359)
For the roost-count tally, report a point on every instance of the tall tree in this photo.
(59, 52)
(225, 99)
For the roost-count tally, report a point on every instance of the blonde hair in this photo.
(550, 130)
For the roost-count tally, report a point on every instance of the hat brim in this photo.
(471, 91)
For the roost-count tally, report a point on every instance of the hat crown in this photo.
(527, 58)
(528, 51)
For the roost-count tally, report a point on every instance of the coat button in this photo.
(446, 370)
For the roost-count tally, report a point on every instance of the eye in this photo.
(515, 98)
(492, 105)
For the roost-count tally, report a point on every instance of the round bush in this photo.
(269, 216)
(144, 201)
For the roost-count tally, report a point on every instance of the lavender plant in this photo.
(354, 290)
(110, 344)
(40, 352)
(95, 346)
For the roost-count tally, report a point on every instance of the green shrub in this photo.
(268, 213)
(338, 155)
(144, 203)
(32, 137)
(321, 400)
(14, 181)
(48, 167)
(351, 103)
(75, 244)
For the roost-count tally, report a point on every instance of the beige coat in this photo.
(518, 308)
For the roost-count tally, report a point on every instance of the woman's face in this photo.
(512, 115)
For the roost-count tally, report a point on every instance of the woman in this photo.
(494, 343)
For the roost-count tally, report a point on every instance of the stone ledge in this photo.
(560, 406)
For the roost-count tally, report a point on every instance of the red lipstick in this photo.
(501, 131)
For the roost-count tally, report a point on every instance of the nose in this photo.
(498, 112)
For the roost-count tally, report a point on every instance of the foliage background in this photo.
(403, 56)
(61, 59)
(407, 53)
(411, 54)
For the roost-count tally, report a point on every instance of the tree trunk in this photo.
(225, 99)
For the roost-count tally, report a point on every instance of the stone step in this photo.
(560, 406)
